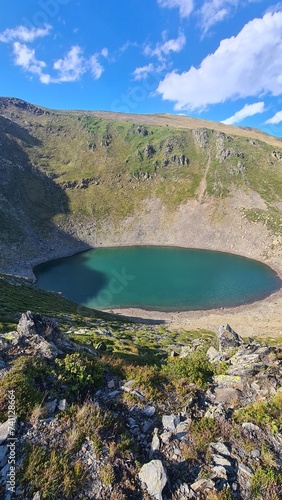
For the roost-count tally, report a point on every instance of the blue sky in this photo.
(215, 59)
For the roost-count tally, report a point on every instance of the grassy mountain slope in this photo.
(73, 179)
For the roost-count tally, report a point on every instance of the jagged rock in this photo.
(155, 444)
(213, 355)
(220, 448)
(186, 350)
(222, 461)
(62, 405)
(154, 476)
(201, 137)
(149, 151)
(142, 130)
(181, 428)
(227, 338)
(170, 422)
(50, 406)
(202, 485)
(166, 437)
(149, 411)
(218, 471)
(4, 431)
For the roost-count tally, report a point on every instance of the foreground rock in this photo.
(154, 476)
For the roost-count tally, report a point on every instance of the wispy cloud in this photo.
(25, 58)
(277, 118)
(246, 65)
(143, 71)
(214, 11)
(72, 66)
(24, 34)
(247, 110)
(165, 47)
(185, 6)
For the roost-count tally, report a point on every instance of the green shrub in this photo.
(30, 378)
(82, 373)
(263, 413)
(51, 472)
(266, 483)
(195, 368)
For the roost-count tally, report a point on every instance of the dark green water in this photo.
(159, 278)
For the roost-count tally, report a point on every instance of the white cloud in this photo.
(242, 66)
(185, 6)
(247, 110)
(277, 118)
(72, 66)
(25, 57)
(167, 46)
(105, 52)
(24, 34)
(95, 67)
(214, 11)
(143, 71)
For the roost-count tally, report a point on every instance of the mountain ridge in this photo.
(72, 180)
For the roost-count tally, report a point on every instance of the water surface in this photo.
(158, 278)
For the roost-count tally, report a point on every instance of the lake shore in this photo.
(260, 319)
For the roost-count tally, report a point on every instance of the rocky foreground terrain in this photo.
(122, 411)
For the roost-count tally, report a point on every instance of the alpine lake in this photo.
(158, 278)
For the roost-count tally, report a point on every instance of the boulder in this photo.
(170, 422)
(227, 338)
(154, 476)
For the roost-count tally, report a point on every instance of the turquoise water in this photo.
(158, 278)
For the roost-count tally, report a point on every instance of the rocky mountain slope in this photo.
(70, 180)
(120, 411)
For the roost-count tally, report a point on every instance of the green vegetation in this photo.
(30, 378)
(80, 372)
(195, 368)
(263, 413)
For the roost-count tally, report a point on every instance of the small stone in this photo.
(62, 405)
(213, 355)
(113, 394)
(149, 411)
(166, 437)
(50, 406)
(154, 476)
(255, 453)
(111, 384)
(37, 496)
(147, 425)
(219, 460)
(202, 484)
(155, 445)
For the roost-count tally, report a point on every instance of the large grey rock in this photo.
(170, 422)
(227, 338)
(4, 431)
(154, 476)
(220, 448)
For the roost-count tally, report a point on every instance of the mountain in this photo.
(70, 180)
